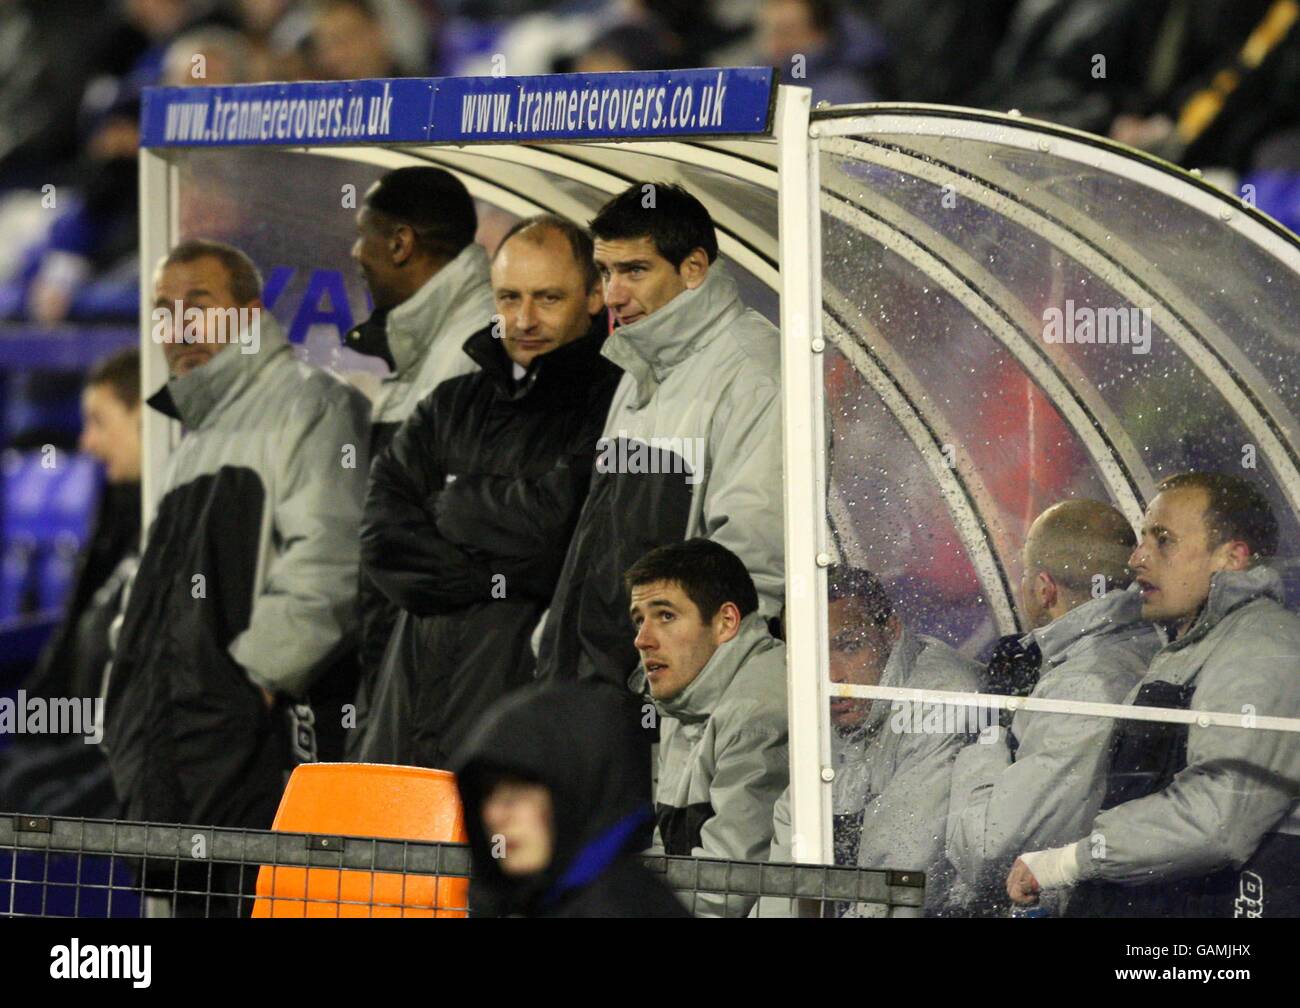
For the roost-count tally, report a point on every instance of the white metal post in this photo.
(159, 202)
(801, 343)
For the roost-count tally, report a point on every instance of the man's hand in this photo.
(1022, 887)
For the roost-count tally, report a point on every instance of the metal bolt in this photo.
(814, 131)
(1203, 721)
(818, 345)
(823, 559)
(828, 774)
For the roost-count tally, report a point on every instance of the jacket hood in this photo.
(195, 397)
(1113, 613)
(651, 347)
(699, 700)
(1230, 590)
(401, 335)
(586, 742)
(560, 373)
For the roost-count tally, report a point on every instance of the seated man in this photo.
(1197, 821)
(555, 781)
(1041, 783)
(718, 679)
(893, 761)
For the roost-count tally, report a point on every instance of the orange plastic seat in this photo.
(363, 799)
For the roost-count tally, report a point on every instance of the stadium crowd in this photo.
(1211, 84)
(549, 553)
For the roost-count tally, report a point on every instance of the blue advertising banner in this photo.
(670, 103)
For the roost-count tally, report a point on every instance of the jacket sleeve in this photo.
(1046, 797)
(305, 606)
(744, 496)
(903, 824)
(751, 772)
(526, 519)
(1236, 787)
(401, 548)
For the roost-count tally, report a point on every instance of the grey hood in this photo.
(700, 699)
(651, 347)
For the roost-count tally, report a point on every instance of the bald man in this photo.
(1041, 783)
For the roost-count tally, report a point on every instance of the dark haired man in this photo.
(718, 678)
(1197, 820)
(471, 506)
(60, 775)
(244, 595)
(429, 280)
(1041, 781)
(893, 760)
(692, 443)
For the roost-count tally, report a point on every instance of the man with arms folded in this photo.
(471, 506)
(692, 443)
(717, 677)
(1041, 782)
(1197, 821)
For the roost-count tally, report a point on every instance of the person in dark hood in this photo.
(555, 781)
(471, 507)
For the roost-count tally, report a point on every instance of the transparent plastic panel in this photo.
(1096, 737)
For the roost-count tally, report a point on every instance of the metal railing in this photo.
(65, 867)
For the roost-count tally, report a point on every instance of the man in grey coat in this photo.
(692, 443)
(1041, 782)
(718, 679)
(892, 760)
(1197, 820)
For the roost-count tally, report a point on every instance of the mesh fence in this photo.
(64, 867)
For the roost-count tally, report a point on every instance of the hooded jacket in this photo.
(892, 776)
(723, 758)
(247, 580)
(691, 447)
(1049, 792)
(422, 340)
(1240, 784)
(467, 518)
(588, 744)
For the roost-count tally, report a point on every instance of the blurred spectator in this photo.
(432, 291)
(471, 507)
(65, 776)
(1040, 783)
(718, 679)
(353, 39)
(555, 781)
(210, 55)
(808, 42)
(893, 760)
(630, 47)
(276, 32)
(692, 443)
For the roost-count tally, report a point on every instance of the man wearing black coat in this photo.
(555, 781)
(471, 507)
